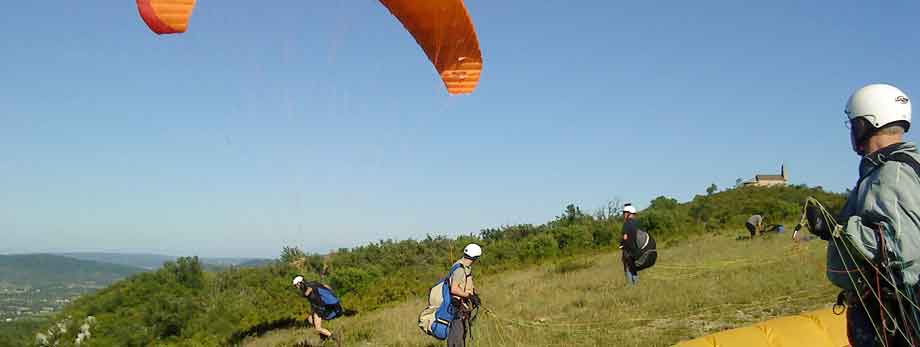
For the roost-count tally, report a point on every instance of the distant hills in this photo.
(255, 262)
(140, 260)
(42, 270)
(154, 261)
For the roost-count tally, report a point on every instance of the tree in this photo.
(572, 212)
(663, 203)
(187, 271)
(291, 254)
(712, 189)
(610, 211)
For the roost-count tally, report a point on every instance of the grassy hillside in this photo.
(40, 270)
(703, 285)
(180, 304)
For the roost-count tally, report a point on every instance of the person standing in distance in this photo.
(628, 243)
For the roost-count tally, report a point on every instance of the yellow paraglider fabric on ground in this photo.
(813, 329)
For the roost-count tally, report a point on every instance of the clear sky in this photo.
(322, 124)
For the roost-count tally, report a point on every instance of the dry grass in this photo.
(698, 287)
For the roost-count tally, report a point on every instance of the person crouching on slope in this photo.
(754, 225)
(320, 309)
(464, 295)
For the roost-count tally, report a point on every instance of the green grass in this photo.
(700, 286)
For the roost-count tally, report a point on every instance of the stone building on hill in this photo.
(770, 180)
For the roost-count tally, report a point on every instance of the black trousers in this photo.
(457, 335)
(751, 228)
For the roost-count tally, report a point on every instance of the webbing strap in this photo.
(902, 157)
(451, 273)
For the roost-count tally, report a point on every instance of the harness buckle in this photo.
(841, 305)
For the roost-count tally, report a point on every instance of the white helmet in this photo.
(878, 105)
(629, 208)
(472, 251)
(297, 280)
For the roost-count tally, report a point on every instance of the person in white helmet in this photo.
(464, 294)
(312, 291)
(877, 239)
(628, 243)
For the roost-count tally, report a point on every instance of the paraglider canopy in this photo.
(443, 29)
(445, 32)
(166, 16)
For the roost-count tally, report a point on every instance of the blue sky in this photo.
(322, 124)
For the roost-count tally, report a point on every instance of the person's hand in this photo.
(474, 299)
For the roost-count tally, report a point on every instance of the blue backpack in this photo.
(435, 319)
(325, 302)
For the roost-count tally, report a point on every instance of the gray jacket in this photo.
(886, 198)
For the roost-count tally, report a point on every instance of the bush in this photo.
(351, 279)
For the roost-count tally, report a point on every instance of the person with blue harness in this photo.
(324, 303)
(463, 294)
(453, 302)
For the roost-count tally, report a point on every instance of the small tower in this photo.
(782, 169)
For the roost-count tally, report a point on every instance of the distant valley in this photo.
(39, 284)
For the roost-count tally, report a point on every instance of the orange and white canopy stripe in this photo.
(166, 16)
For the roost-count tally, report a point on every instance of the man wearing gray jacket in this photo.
(874, 255)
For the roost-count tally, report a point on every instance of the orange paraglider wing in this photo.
(445, 32)
(166, 16)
